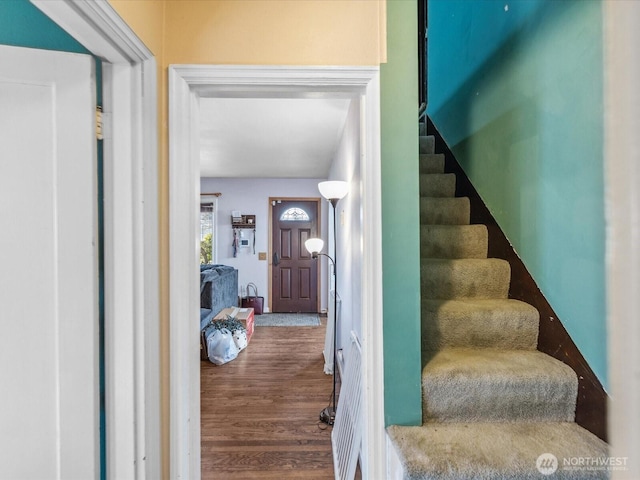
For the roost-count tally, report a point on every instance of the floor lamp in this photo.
(332, 191)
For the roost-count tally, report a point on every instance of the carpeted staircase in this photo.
(492, 404)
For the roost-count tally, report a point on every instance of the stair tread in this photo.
(493, 451)
(464, 278)
(479, 323)
(437, 184)
(444, 210)
(517, 365)
(479, 305)
(454, 241)
(461, 262)
(473, 384)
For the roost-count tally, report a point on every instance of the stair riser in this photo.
(444, 211)
(427, 144)
(469, 278)
(484, 400)
(493, 385)
(437, 185)
(500, 327)
(457, 241)
(432, 163)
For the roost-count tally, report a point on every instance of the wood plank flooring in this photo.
(259, 413)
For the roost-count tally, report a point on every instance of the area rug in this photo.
(287, 320)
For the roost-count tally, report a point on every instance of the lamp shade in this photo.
(333, 189)
(314, 245)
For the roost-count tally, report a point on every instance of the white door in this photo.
(49, 405)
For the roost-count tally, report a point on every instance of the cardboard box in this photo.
(244, 315)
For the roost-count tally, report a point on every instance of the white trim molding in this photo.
(184, 299)
(132, 335)
(186, 84)
(98, 27)
(374, 434)
(622, 203)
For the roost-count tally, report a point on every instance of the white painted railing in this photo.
(346, 437)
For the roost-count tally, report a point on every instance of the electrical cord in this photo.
(323, 425)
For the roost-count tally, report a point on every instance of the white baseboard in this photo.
(395, 469)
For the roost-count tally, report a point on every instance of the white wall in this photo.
(251, 196)
(346, 166)
(622, 175)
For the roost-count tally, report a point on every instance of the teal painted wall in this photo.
(400, 217)
(23, 25)
(516, 89)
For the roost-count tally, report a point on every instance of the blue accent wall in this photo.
(24, 25)
(516, 89)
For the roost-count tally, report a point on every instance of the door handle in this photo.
(276, 259)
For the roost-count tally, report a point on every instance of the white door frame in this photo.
(622, 202)
(132, 340)
(186, 84)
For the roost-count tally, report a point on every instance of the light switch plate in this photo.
(262, 255)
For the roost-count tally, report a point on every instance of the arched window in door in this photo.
(294, 214)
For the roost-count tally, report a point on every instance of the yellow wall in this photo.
(242, 32)
(146, 18)
(276, 32)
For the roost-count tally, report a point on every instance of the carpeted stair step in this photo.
(427, 144)
(492, 385)
(432, 163)
(453, 241)
(495, 451)
(464, 278)
(445, 211)
(422, 128)
(437, 184)
(471, 323)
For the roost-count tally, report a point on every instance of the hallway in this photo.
(259, 413)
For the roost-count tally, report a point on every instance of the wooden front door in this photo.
(295, 273)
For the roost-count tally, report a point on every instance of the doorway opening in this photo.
(188, 83)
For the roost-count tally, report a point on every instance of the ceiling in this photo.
(270, 137)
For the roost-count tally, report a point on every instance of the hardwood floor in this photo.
(259, 413)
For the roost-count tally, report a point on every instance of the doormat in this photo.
(287, 320)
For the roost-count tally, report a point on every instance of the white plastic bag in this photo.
(221, 346)
(240, 337)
